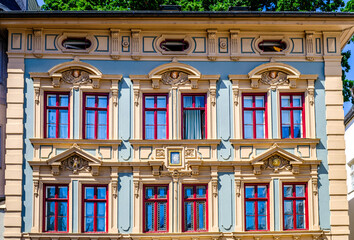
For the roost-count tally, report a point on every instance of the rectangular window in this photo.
(193, 116)
(155, 208)
(292, 115)
(195, 208)
(95, 208)
(56, 118)
(256, 207)
(95, 116)
(254, 110)
(295, 206)
(56, 208)
(155, 121)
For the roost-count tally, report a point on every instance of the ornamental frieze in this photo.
(75, 164)
(277, 163)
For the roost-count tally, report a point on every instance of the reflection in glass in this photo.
(250, 191)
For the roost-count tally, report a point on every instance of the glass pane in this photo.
(149, 118)
(161, 102)
(90, 101)
(248, 117)
(90, 117)
(188, 216)
(89, 192)
(285, 131)
(300, 206)
(149, 132)
(247, 101)
(300, 190)
(63, 100)
(63, 131)
(149, 192)
(259, 131)
(62, 209)
(297, 101)
(52, 116)
(285, 117)
(90, 132)
(188, 192)
(300, 221)
(50, 192)
(101, 224)
(288, 207)
(285, 101)
(89, 209)
(201, 215)
(149, 217)
(259, 101)
(51, 131)
(201, 191)
(161, 117)
(262, 191)
(288, 222)
(260, 117)
(102, 102)
(50, 209)
(51, 100)
(161, 217)
(63, 192)
(102, 132)
(288, 190)
(250, 208)
(149, 102)
(250, 192)
(262, 222)
(248, 131)
(63, 123)
(162, 192)
(50, 223)
(297, 131)
(101, 209)
(188, 101)
(199, 101)
(62, 224)
(101, 193)
(89, 224)
(297, 114)
(262, 208)
(102, 117)
(161, 132)
(250, 223)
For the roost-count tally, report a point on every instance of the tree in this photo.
(216, 5)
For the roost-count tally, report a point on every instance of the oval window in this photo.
(77, 43)
(174, 45)
(272, 46)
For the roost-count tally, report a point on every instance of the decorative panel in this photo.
(102, 44)
(247, 45)
(200, 45)
(298, 45)
(148, 44)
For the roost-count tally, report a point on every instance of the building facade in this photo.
(172, 125)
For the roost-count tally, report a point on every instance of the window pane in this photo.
(161, 132)
(288, 222)
(297, 101)
(297, 131)
(193, 124)
(250, 223)
(149, 132)
(247, 101)
(161, 217)
(161, 117)
(250, 192)
(101, 224)
(161, 192)
(188, 192)
(285, 117)
(90, 101)
(90, 132)
(188, 216)
(250, 208)
(62, 209)
(285, 131)
(102, 102)
(90, 117)
(187, 101)
(297, 114)
(63, 123)
(101, 209)
(52, 116)
(62, 224)
(248, 131)
(150, 102)
(259, 101)
(262, 208)
(149, 192)
(300, 221)
(149, 118)
(102, 117)
(51, 192)
(89, 209)
(300, 190)
(288, 207)
(50, 208)
(51, 131)
(102, 132)
(63, 192)
(63, 100)
(288, 191)
(101, 193)
(300, 206)
(201, 215)
(262, 222)
(201, 191)
(259, 131)
(161, 102)
(199, 101)
(285, 101)
(260, 117)
(51, 100)
(89, 192)
(262, 191)
(248, 117)
(149, 217)
(50, 223)
(89, 224)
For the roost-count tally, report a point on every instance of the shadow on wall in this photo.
(351, 218)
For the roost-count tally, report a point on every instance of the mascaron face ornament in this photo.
(274, 77)
(76, 76)
(174, 78)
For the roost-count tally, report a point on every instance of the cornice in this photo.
(275, 141)
(201, 142)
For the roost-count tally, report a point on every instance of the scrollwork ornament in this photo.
(174, 78)
(76, 77)
(274, 78)
(277, 163)
(75, 164)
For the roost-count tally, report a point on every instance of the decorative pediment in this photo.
(76, 160)
(276, 159)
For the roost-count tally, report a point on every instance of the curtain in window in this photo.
(192, 124)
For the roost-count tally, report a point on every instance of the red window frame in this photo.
(291, 109)
(195, 200)
(56, 200)
(95, 201)
(293, 199)
(254, 109)
(156, 200)
(204, 129)
(96, 109)
(57, 108)
(155, 109)
(255, 200)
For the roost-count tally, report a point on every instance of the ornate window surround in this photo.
(75, 76)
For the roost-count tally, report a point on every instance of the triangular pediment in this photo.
(276, 150)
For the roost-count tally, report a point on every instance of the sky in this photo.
(350, 75)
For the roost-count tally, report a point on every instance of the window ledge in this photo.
(63, 141)
(199, 142)
(285, 141)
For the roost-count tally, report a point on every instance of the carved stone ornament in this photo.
(160, 153)
(76, 76)
(174, 78)
(176, 173)
(277, 163)
(75, 164)
(274, 77)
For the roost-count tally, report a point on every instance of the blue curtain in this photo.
(192, 124)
